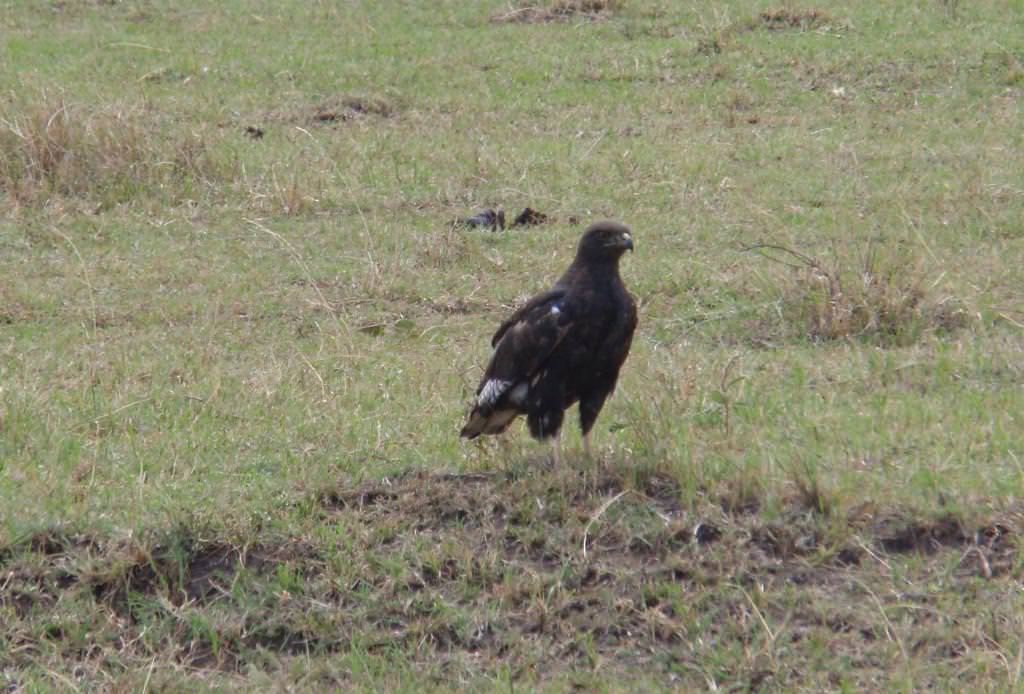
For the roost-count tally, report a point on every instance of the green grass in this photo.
(212, 346)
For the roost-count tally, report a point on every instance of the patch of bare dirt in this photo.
(559, 11)
(495, 504)
(334, 111)
(552, 567)
(785, 18)
(180, 568)
(349, 107)
(899, 535)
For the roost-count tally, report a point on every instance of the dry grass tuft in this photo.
(781, 19)
(875, 296)
(52, 148)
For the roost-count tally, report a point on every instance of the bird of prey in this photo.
(564, 346)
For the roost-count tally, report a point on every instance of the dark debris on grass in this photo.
(494, 219)
(484, 219)
(530, 217)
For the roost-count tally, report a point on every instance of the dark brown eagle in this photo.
(563, 346)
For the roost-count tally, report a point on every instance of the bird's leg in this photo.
(556, 450)
(590, 407)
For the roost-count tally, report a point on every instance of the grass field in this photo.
(238, 336)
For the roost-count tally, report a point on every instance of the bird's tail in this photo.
(494, 422)
(474, 427)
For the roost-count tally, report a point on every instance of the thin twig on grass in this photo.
(758, 248)
(757, 611)
(600, 512)
(608, 504)
(890, 630)
(338, 319)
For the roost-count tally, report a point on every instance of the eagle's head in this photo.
(605, 242)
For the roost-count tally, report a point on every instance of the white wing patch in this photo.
(518, 394)
(492, 390)
(555, 311)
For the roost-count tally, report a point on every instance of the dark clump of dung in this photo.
(530, 217)
(494, 219)
(485, 219)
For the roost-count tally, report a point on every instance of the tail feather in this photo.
(494, 422)
(474, 427)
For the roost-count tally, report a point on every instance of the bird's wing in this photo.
(524, 310)
(523, 342)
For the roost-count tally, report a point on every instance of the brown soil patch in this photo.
(559, 11)
(349, 107)
(783, 18)
(335, 110)
(536, 572)
(177, 571)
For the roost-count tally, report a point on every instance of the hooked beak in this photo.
(627, 241)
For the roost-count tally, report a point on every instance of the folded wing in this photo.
(521, 345)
